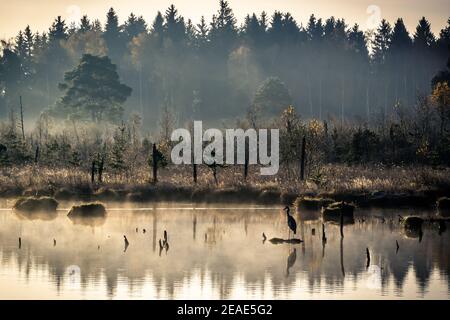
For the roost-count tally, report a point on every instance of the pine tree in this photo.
(113, 36)
(85, 24)
(202, 33)
(175, 28)
(423, 37)
(29, 42)
(134, 26)
(400, 39)
(20, 47)
(119, 148)
(223, 30)
(382, 42)
(314, 29)
(276, 27)
(97, 26)
(58, 30)
(357, 41)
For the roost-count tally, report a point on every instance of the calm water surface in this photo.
(218, 253)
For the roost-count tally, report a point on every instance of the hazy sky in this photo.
(16, 14)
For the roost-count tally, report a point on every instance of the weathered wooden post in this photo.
(36, 154)
(93, 172)
(302, 160)
(246, 166)
(194, 172)
(324, 237)
(194, 169)
(100, 168)
(155, 157)
(214, 169)
(368, 258)
(342, 257)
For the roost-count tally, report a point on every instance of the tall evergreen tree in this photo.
(174, 26)
(423, 37)
(113, 36)
(93, 89)
(134, 26)
(58, 30)
(20, 47)
(382, 42)
(85, 24)
(29, 41)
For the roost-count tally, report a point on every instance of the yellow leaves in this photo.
(315, 127)
(423, 149)
(441, 95)
(289, 112)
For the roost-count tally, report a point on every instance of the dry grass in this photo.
(334, 179)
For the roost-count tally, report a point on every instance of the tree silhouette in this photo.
(93, 89)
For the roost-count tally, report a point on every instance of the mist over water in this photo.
(218, 254)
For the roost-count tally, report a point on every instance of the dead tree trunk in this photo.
(194, 169)
(36, 154)
(368, 258)
(93, 172)
(246, 165)
(302, 160)
(100, 168)
(155, 163)
(21, 118)
(194, 172)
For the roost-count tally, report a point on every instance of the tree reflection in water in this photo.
(232, 264)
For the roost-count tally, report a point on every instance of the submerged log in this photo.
(280, 241)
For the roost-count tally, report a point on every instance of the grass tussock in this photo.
(88, 210)
(36, 204)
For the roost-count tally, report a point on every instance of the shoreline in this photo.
(234, 195)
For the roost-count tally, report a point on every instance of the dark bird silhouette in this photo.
(161, 247)
(144, 231)
(398, 247)
(126, 243)
(291, 260)
(54, 242)
(20, 242)
(291, 221)
(264, 237)
(165, 236)
(166, 247)
(137, 230)
(98, 247)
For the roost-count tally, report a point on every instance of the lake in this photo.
(218, 252)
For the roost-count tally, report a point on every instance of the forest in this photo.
(86, 105)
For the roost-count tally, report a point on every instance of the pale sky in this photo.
(39, 14)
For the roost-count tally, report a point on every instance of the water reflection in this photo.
(89, 260)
